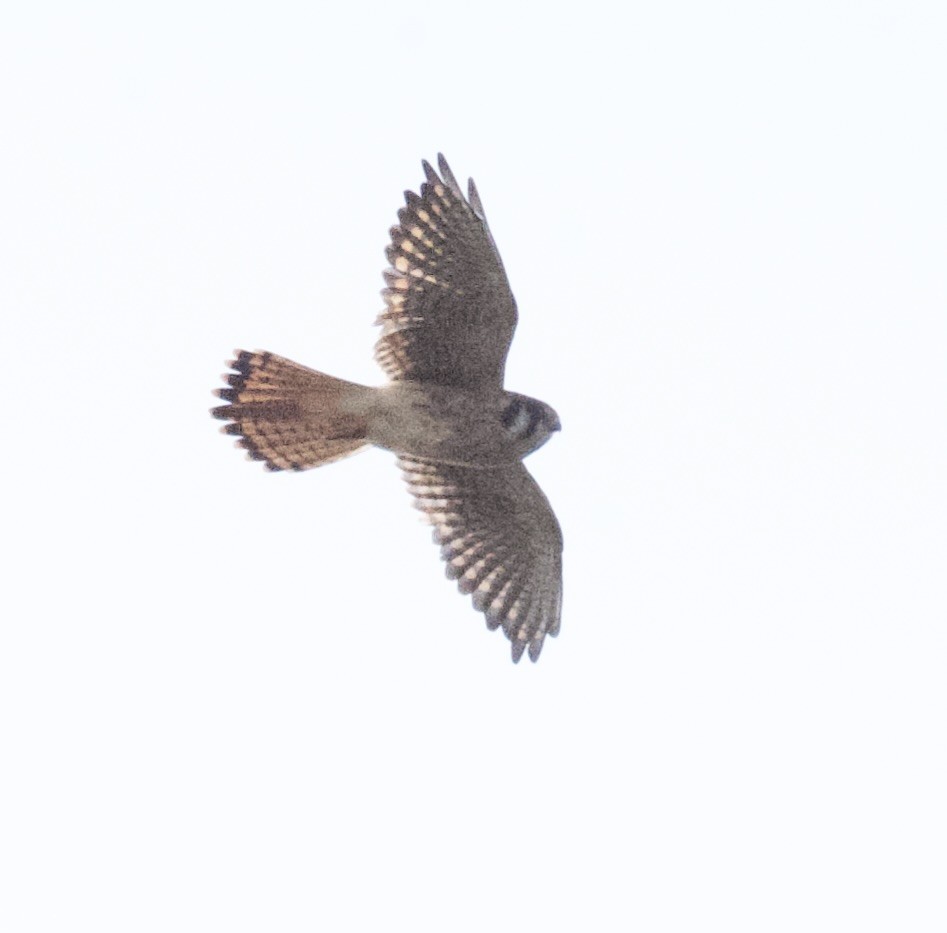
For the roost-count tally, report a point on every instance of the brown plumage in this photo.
(500, 541)
(287, 415)
(459, 435)
(450, 313)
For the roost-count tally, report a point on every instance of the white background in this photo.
(239, 701)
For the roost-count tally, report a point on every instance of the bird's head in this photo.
(527, 422)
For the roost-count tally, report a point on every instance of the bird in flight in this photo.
(459, 436)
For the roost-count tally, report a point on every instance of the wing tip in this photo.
(473, 198)
(448, 175)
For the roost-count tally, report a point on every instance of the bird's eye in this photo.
(520, 418)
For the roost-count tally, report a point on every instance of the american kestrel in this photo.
(460, 437)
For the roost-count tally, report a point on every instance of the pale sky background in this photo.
(238, 701)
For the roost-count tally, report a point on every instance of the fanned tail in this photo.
(288, 415)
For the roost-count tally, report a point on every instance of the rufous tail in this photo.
(287, 415)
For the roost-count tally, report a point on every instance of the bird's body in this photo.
(452, 425)
(459, 435)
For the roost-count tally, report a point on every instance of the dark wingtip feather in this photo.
(494, 618)
(516, 649)
(448, 175)
(228, 395)
(473, 196)
(553, 629)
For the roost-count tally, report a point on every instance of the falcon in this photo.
(459, 436)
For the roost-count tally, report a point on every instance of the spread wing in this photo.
(501, 542)
(450, 313)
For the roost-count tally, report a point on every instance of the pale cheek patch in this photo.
(519, 424)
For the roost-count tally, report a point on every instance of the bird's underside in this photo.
(459, 436)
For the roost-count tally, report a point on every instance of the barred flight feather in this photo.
(500, 542)
(450, 314)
